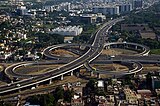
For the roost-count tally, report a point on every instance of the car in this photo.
(9, 84)
(18, 85)
(124, 42)
(33, 88)
(112, 56)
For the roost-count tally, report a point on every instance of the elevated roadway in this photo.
(136, 67)
(89, 56)
(145, 49)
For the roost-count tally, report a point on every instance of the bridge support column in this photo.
(143, 49)
(108, 47)
(91, 73)
(136, 47)
(50, 81)
(115, 46)
(37, 85)
(126, 46)
(62, 77)
(98, 75)
(71, 73)
(19, 90)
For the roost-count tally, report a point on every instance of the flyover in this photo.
(136, 67)
(10, 71)
(89, 56)
(145, 49)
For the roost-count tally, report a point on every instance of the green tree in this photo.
(47, 100)
(149, 80)
(34, 99)
(68, 94)
(58, 93)
(91, 84)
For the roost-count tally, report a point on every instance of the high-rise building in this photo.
(22, 10)
(125, 7)
(137, 4)
(109, 9)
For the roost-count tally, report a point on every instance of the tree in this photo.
(149, 80)
(42, 100)
(68, 94)
(58, 93)
(91, 84)
(47, 100)
(34, 99)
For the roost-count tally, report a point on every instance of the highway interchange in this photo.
(94, 51)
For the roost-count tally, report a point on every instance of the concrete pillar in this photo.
(143, 49)
(91, 73)
(62, 77)
(116, 46)
(108, 47)
(19, 90)
(37, 85)
(50, 81)
(71, 73)
(98, 75)
(136, 47)
(77, 74)
(126, 46)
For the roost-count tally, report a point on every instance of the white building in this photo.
(100, 84)
(22, 10)
(125, 7)
(66, 6)
(68, 30)
(49, 8)
(108, 9)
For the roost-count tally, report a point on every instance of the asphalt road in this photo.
(89, 56)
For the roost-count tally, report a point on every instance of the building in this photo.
(77, 97)
(66, 6)
(148, 35)
(108, 9)
(131, 96)
(4, 18)
(49, 8)
(145, 93)
(100, 85)
(133, 27)
(92, 18)
(137, 4)
(68, 30)
(68, 39)
(88, 18)
(22, 10)
(125, 7)
(155, 82)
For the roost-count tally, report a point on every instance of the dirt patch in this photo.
(2, 83)
(111, 67)
(64, 53)
(36, 69)
(117, 51)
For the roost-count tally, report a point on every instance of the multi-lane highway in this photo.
(89, 56)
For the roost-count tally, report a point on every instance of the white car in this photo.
(18, 85)
(112, 56)
(9, 84)
(33, 88)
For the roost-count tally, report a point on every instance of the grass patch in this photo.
(155, 51)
